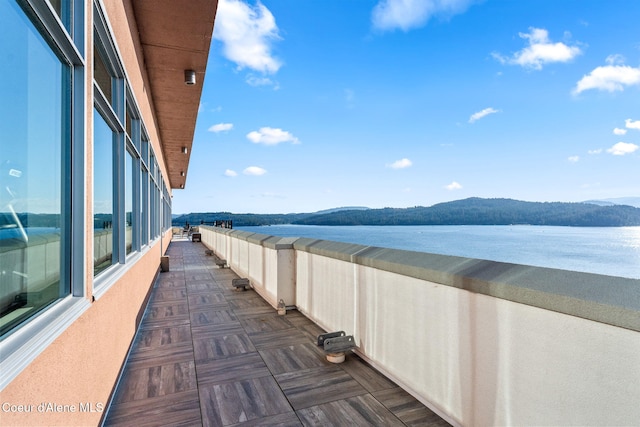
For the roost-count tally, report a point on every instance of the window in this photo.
(61, 8)
(129, 172)
(144, 203)
(101, 75)
(35, 82)
(144, 193)
(153, 196)
(103, 142)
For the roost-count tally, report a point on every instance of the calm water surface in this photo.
(613, 251)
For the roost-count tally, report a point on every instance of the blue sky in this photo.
(311, 105)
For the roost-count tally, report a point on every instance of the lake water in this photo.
(614, 251)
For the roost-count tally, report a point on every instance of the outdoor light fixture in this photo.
(181, 173)
(181, 185)
(189, 77)
(184, 150)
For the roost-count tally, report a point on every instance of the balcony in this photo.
(206, 354)
(471, 341)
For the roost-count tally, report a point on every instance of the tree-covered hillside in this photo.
(473, 211)
(477, 211)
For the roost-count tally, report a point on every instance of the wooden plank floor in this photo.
(207, 355)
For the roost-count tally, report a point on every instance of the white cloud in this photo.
(271, 136)
(540, 51)
(409, 14)
(221, 127)
(400, 164)
(574, 159)
(453, 186)
(611, 78)
(254, 171)
(622, 148)
(615, 59)
(230, 173)
(596, 151)
(618, 131)
(256, 81)
(247, 34)
(480, 114)
(630, 124)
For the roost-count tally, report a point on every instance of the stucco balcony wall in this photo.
(480, 342)
(267, 261)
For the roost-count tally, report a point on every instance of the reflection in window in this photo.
(156, 214)
(62, 9)
(34, 106)
(102, 194)
(144, 207)
(128, 201)
(101, 75)
(128, 123)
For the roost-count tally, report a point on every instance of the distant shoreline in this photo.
(472, 211)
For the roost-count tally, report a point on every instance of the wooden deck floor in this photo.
(208, 355)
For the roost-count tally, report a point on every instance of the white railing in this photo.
(479, 342)
(28, 267)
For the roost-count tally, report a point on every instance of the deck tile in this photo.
(311, 387)
(222, 346)
(159, 380)
(368, 377)
(207, 299)
(207, 331)
(254, 312)
(254, 301)
(161, 336)
(179, 409)
(235, 368)
(212, 317)
(235, 402)
(288, 419)
(293, 358)
(278, 339)
(167, 310)
(169, 295)
(356, 411)
(193, 288)
(265, 323)
(408, 409)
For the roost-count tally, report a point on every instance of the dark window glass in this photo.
(128, 123)
(101, 75)
(62, 8)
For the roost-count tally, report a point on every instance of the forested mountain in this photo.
(473, 211)
(477, 211)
